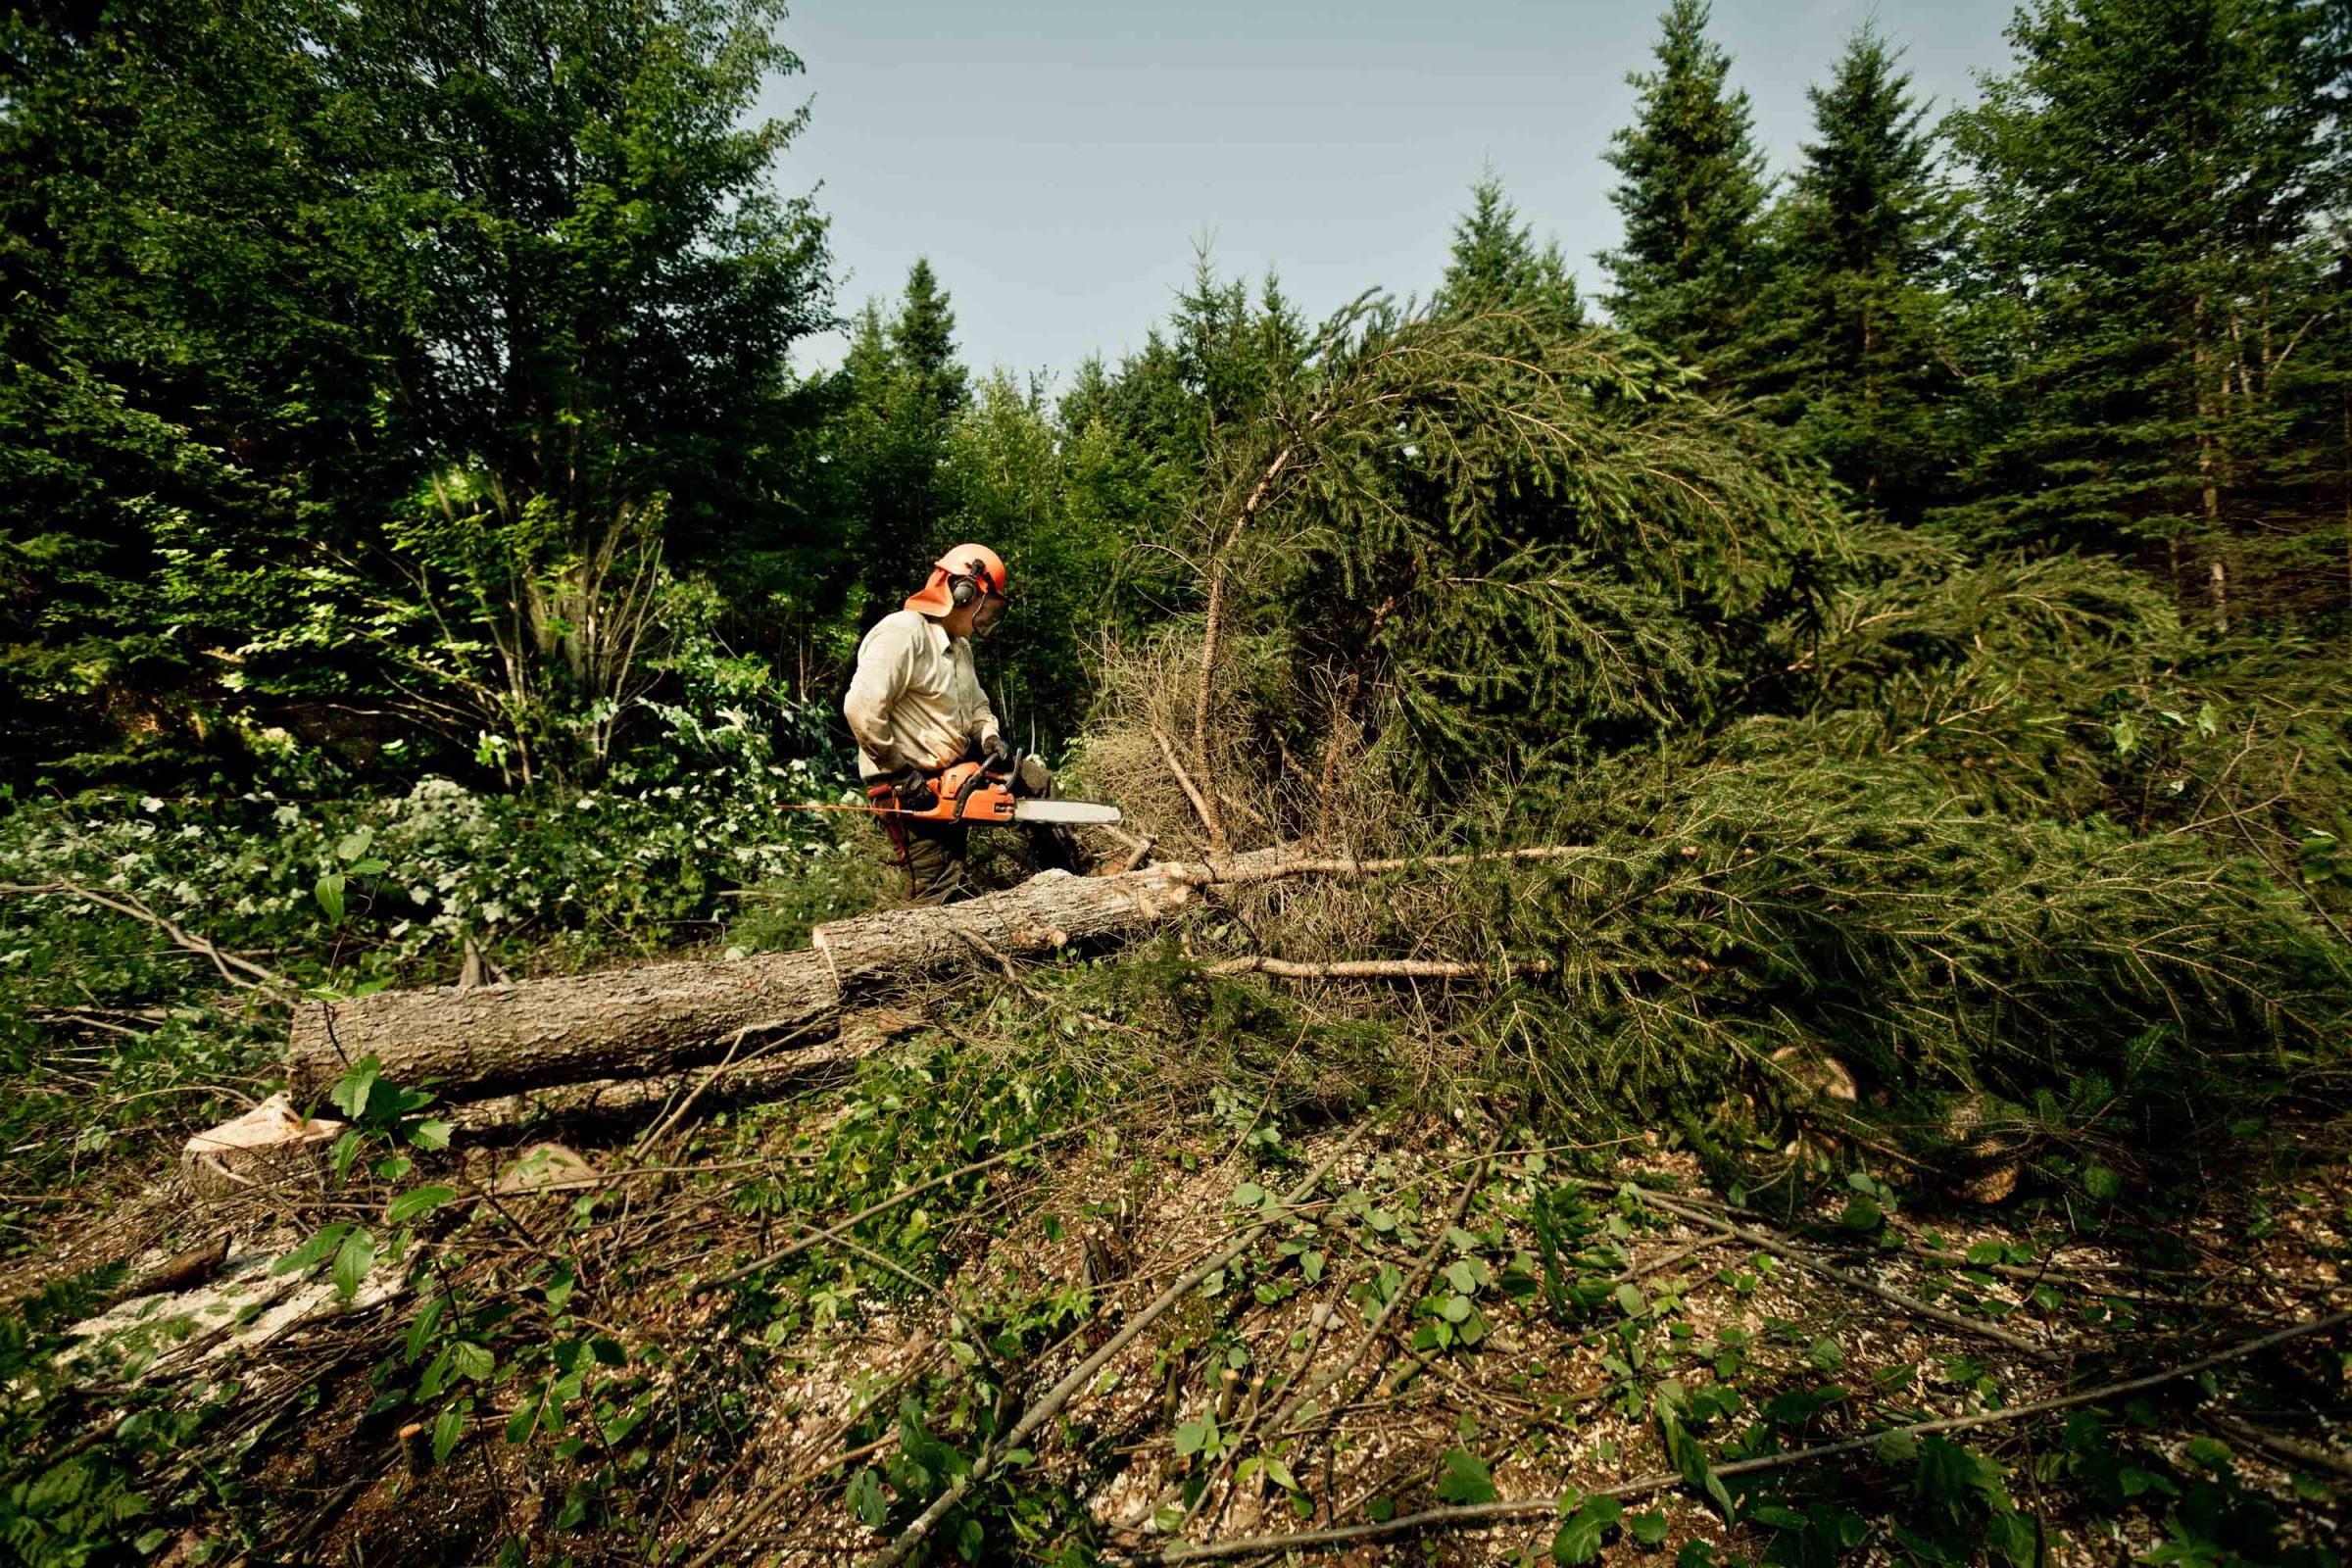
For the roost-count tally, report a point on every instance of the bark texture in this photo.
(661, 1017)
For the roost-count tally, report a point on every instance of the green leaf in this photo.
(2102, 1184)
(1690, 1456)
(355, 844)
(1194, 1436)
(1862, 1213)
(1630, 1300)
(419, 1332)
(1579, 1539)
(2015, 1538)
(353, 1259)
(473, 1361)
(353, 1089)
(1249, 1195)
(329, 893)
(2211, 1452)
(429, 1135)
(417, 1200)
(347, 1150)
(310, 1253)
(1650, 1529)
(866, 1500)
(1465, 1479)
(447, 1427)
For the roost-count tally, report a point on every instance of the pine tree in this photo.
(2151, 278)
(1495, 264)
(1849, 348)
(1692, 191)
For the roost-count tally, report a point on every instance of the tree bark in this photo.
(661, 1017)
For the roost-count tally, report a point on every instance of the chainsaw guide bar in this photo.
(967, 792)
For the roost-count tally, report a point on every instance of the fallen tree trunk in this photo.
(661, 1017)
(648, 1019)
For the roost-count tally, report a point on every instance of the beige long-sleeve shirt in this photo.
(916, 699)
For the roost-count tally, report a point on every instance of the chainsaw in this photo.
(967, 792)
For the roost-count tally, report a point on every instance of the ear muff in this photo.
(966, 586)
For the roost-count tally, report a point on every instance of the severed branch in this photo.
(653, 1135)
(760, 1507)
(1216, 874)
(836, 1232)
(1192, 791)
(247, 974)
(1213, 631)
(1379, 968)
(1481, 1516)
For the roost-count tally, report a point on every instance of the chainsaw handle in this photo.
(963, 793)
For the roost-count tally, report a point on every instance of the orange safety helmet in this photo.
(967, 574)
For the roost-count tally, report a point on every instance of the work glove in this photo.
(913, 791)
(995, 758)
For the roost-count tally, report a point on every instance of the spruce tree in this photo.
(923, 336)
(899, 394)
(1848, 346)
(1691, 190)
(2153, 277)
(1495, 264)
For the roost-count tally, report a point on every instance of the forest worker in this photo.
(915, 706)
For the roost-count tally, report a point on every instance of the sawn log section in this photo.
(657, 1018)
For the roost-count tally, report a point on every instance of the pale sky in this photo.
(1058, 159)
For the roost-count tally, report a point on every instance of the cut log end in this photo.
(269, 1143)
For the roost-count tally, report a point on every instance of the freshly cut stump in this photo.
(659, 1018)
(269, 1144)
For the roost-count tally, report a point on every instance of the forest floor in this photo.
(1556, 1352)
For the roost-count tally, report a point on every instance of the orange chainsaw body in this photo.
(968, 792)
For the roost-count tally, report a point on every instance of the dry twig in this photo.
(835, 1232)
(1852, 1281)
